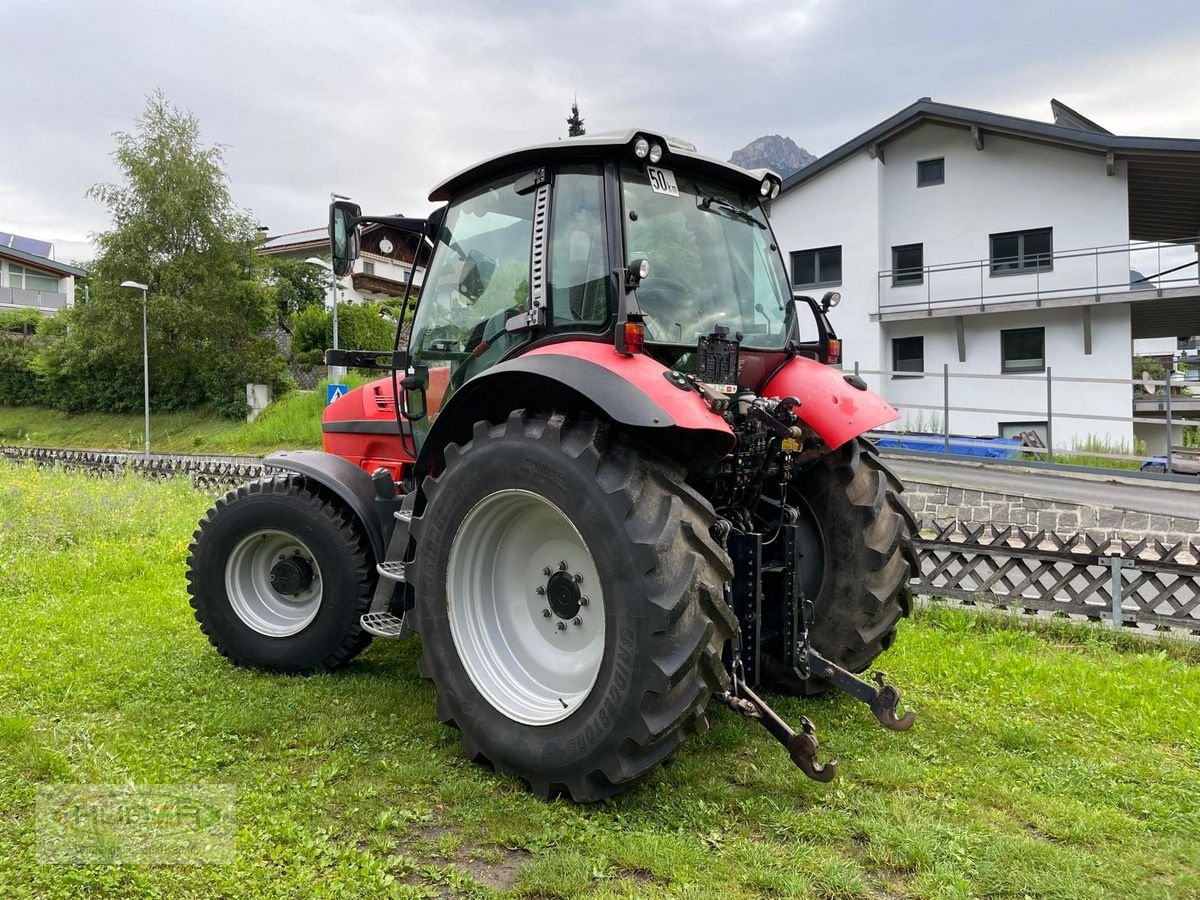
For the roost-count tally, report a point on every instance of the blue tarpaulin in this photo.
(992, 448)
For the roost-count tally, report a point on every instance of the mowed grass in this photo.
(291, 422)
(1053, 764)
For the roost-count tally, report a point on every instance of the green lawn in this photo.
(292, 422)
(1058, 764)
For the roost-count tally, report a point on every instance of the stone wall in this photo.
(944, 504)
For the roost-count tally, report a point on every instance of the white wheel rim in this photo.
(535, 668)
(253, 597)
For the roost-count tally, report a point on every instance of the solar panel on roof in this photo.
(26, 245)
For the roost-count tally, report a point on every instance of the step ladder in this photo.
(379, 619)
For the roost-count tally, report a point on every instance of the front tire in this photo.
(587, 709)
(279, 574)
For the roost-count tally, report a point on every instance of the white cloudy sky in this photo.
(380, 99)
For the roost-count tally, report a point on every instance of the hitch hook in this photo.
(885, 704)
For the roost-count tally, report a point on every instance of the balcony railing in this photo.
(981, 284)
(22, 299)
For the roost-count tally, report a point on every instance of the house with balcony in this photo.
(1003, 267)
(380, 272)
(30, 277)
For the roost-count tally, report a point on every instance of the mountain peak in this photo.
(772, 151)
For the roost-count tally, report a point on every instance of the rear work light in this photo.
(834, 351)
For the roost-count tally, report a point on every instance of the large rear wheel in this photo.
(857, 536)
(570, 604)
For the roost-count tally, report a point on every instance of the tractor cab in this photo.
(631, 240)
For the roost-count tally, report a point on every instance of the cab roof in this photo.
(590, 147)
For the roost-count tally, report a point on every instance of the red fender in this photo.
(686, 407)
(835, 408)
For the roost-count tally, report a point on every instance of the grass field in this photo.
(1063, 763)
(292, 422)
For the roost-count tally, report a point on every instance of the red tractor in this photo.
(614, 474)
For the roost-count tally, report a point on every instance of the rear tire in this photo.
(645, 536)
(866, 531)
(302, 618)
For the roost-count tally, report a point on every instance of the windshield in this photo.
(712, 260)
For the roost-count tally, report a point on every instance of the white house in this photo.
(1002, 250)
(380, 272)
(30, 277)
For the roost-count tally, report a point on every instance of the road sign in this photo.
(333, 391)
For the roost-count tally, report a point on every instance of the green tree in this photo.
(575, 121)
(175, 228)
(296, 286)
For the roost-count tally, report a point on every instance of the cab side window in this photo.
(579, 283)
(478, 280)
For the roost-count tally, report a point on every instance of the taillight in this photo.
(635, 337)
(834, 352)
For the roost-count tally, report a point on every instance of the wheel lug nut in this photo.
(584, 601)
(562, 566)
(562, 626)
(578, 620)
(579, 578)
(540, 590)
(547, 571)
(545, 613)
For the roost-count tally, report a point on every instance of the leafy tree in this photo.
(575, 121)
(296, 286)
(175, 228)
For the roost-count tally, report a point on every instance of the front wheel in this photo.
(279, 574)
(570, 604)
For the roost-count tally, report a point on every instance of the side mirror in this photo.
(343, 235)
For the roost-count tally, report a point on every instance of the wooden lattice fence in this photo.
(1146, 582)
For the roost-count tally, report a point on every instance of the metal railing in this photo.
(24, 299)
(1065, 273)
(1049, 407)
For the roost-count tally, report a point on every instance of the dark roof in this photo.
(40, 262)
(589, 147)
(1164, 173)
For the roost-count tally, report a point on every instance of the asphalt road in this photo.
(1166, 499)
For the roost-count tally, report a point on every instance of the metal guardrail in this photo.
(1065, 273)
(1129, 583)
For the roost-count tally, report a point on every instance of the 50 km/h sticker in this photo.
(662, 181)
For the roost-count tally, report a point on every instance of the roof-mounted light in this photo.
(656, 153)
(641, 148)
(775, 190)
(764, 188)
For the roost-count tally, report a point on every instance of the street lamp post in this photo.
(334, 371)
(138, 286)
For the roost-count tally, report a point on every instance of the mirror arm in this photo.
(400, 223)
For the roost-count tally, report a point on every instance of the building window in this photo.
(22, 277)
(908, 264)
(931, 171)
(1014, 252)
(817, 267)
(908, 356)
(368, 267)
(1023, 350)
